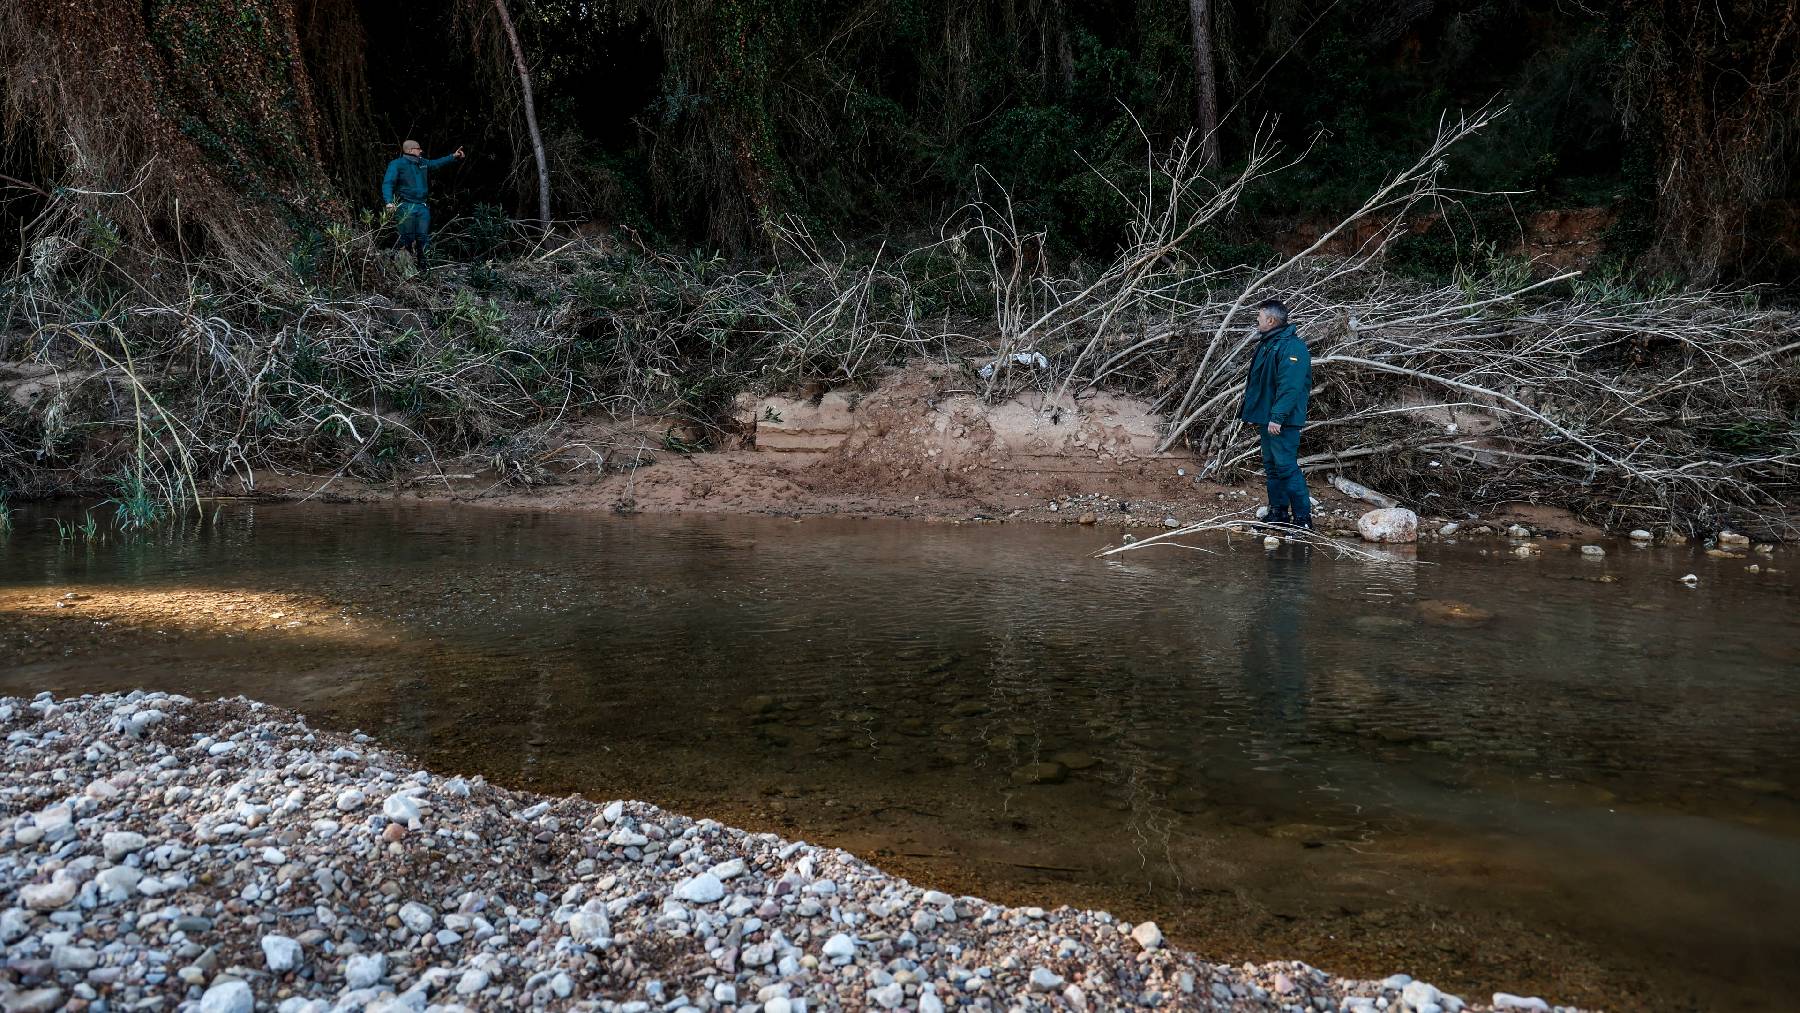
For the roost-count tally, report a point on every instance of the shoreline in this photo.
(228, 853)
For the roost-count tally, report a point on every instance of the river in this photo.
(1559, 775)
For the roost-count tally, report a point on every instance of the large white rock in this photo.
(365, 969)
(228, 997)
(1419, 994)
(472, 981)
(1504, 1000)
(702, 889)
(118, 882)
(119, 843)
(590, 928)
(15, 925)
(49, 896)
(1393, 525)
(281, 953)
(1147, 935)
(839, 947)
(402, 808)
(417, 917)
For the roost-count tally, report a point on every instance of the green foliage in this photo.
(86, 531)
(476, 321)
(489, 231)
(135, 506)
(1750, 436)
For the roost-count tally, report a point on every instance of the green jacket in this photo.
(1280, 380)
(406, 182)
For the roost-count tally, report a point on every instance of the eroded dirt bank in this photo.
(919, 446)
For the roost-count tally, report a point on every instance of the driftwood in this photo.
(1356, 490)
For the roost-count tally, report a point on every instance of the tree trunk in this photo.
(1206, 83)
(531, 124)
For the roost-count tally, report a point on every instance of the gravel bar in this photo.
(164, 853)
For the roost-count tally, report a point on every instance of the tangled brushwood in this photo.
(161, 380)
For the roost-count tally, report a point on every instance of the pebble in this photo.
(35, 1000)
(1592, 550)
(508, 900)
(74, 958)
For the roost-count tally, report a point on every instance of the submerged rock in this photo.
(1443, 612)
(1040, 773)
(1075, 760)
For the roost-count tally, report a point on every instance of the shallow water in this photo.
(1590, 795)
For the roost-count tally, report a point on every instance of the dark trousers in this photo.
(1289, 502)
(414, 228)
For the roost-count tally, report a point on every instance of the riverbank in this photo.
(918, 446)
(228, 854)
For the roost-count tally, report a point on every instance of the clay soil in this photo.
(916, 447)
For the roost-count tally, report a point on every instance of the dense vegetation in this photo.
(703, 122)
(764, 192)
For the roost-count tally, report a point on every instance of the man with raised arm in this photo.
(403, 189)
(1275, 396)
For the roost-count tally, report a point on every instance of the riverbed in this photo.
(1564, 775)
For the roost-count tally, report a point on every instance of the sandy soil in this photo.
(916, 447)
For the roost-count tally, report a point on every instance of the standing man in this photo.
(1275, 396)
(404, 189)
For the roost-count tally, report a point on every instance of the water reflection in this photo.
(1274, 666)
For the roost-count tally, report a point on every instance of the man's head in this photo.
(411, 148)
(1270, 315)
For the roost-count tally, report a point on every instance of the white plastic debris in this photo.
(1035, 360)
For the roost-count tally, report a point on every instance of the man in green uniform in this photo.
(1275, 396)
(404, 189)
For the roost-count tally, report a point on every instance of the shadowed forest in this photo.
(1584, 220)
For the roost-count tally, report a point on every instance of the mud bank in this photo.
(918, 446)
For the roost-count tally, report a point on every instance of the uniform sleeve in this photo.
(1293, 373)
(439, 163)
(387, 182)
